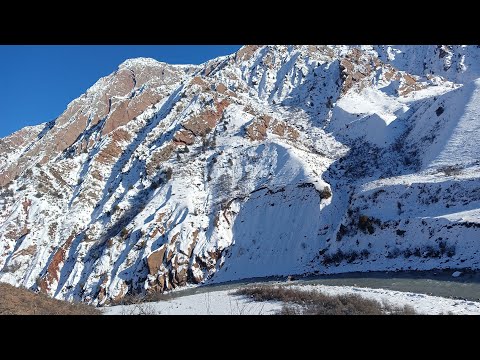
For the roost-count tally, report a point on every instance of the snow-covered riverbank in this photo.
(226, 303)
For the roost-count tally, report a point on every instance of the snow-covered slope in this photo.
(271, 161)
(458, 63)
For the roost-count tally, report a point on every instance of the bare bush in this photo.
(365, 224)
(140, 298)
(326, 193)
(299, 302)
(168, 174)
(140, 309)
(124, 233)
(450, 170)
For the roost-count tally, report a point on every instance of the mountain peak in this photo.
(140, 61)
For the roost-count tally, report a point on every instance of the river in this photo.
(436, 283)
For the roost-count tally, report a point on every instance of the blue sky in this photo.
(38, 82)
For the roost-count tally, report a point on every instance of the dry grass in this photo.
(299, 302)
(140, 299)
(21, 301)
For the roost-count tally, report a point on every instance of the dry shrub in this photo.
(136, 299)
(299, 302)
(21, 301)
(450, 170)
(326, 193)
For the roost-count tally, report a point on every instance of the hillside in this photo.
(20, 301)
(275, 160)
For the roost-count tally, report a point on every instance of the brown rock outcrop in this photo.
(257, 130)
(246, 52)
(53, 269)
(185, 137)
(155, 260)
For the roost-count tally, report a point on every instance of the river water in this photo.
(437, 283)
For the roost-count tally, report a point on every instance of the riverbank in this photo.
(225, 302)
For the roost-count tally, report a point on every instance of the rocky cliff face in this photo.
(271, 161)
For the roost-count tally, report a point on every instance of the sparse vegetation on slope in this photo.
(299, 302)
(21, 301)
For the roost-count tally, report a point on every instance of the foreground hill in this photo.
(20, 301)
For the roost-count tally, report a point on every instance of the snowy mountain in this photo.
(274, 160)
